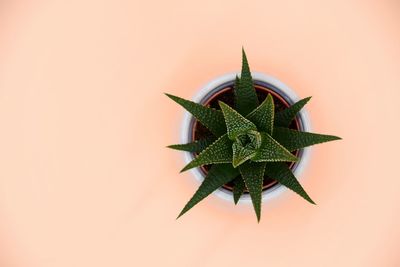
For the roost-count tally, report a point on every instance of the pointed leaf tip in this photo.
(245, 94)
(217, 176)
(285, 117)
(238, 189)
(253, 176)
(196, 146)
(209, 117)
(263, 115)
(293, 140)
(283, 174)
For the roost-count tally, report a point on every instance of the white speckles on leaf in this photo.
(236, 124)
(271, 151)
(209, 117)
(253, 176)
(282, 173)
(293, 140)
(263, 115)
(245, 95)
(218, 152)
(217, 176)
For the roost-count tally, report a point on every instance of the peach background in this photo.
(85, 179)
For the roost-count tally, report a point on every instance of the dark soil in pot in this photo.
(226, 95)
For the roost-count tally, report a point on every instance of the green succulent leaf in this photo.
(209, 117)
(196, 146)
(282, 173)
(241, 154)
(284, 118)
(238, 188)
(236, 124)
(217, 176)
(263, 115)
(245, 94)
(293, 140)
(236, 86)
(253, 176)
(218, 152)
(271, 151)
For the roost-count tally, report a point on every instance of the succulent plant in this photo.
(250, 141)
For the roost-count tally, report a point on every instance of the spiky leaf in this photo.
(209, 117)
(238, 188)
(236, 85)
(282, 173)
(196, 146)
(284, 118)
(293, 140)
(253, 176)
(263, 115)
(217, 176)
(272, 151)
(218, 152)
(236, 124)
(245, 95)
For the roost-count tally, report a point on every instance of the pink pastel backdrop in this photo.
(86, 180)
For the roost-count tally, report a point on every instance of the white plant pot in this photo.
(272, 83)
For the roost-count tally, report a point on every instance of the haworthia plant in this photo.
(249, 142)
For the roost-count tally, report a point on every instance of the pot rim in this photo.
(274, 84)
